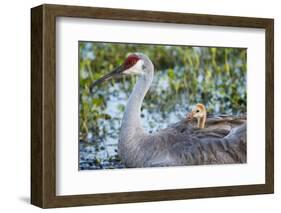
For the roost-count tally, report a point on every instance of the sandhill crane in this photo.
(199, 112)
(179, 144)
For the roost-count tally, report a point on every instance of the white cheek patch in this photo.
(136, 69)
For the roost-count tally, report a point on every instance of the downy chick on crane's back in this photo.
(200, 113)
(180, 143)
(214, 123)
(215, 126)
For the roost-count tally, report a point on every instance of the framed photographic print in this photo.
(136, 106)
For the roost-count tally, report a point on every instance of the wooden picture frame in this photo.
(43, 105)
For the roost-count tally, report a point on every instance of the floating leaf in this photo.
(98, 101)
(171, 74)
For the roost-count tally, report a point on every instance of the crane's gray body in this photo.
(181, 143)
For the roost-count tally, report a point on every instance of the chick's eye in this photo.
(197, 110)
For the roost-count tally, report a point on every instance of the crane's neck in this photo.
(131, 122)
(201, 121)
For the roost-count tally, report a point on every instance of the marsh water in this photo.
(183, 77)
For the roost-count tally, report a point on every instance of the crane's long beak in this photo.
(116, 72)
(189, 116)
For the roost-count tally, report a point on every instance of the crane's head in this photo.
(199, 111)
(133, 64)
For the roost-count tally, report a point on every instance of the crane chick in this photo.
(200, 113)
